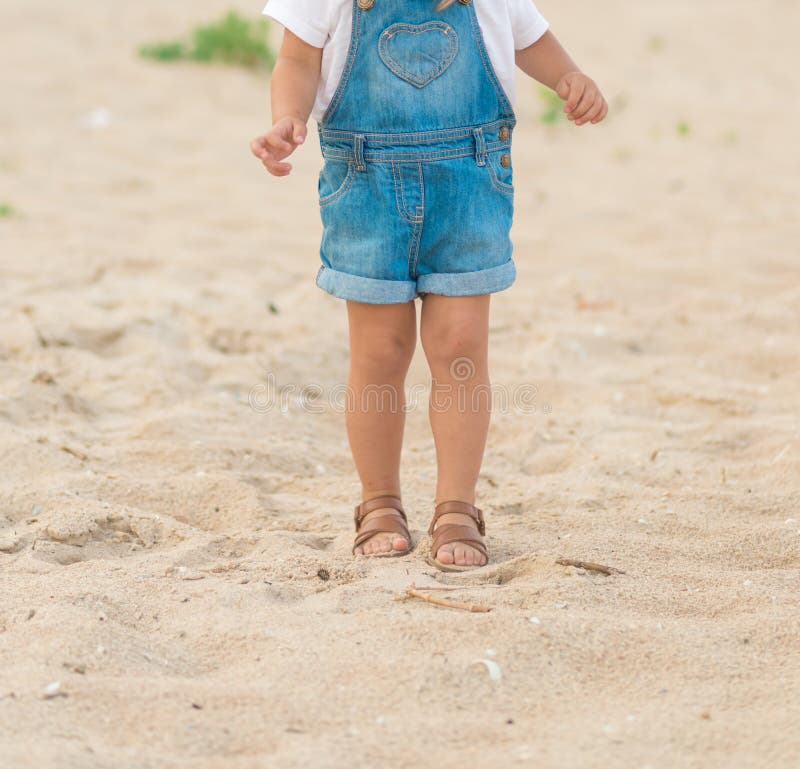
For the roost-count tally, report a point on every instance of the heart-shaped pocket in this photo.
(418, 53)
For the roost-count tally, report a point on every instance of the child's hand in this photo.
(584, 102)
(279, 142)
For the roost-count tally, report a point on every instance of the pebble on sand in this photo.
(53, 690)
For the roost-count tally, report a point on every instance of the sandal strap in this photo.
(375, 504)
(394, 522)
(455, 506)
(448, 533)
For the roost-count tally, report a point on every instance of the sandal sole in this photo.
(452, 566)
(397, 554)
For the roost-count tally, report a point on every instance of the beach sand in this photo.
(175, 550)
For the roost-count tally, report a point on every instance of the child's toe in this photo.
(445, 554)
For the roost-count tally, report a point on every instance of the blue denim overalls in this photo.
(416, 189)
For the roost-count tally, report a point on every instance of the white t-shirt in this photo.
(507, 26)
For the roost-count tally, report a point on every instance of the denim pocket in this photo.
(418, 53)
(502, 177)
(335, 179)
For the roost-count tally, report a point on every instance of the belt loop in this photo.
(480, 146)
(358, 151)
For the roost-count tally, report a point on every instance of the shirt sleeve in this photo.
(308, 19)
(528, 24)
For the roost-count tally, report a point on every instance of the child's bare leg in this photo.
(455, 332)
(382, 341)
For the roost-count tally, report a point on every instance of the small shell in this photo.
(495, 674)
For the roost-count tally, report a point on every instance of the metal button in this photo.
(504, 134)
(505, 160)
(365, 5)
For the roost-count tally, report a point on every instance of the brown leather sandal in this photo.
(448, 533)
(389, 523)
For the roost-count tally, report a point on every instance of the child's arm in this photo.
(293, 90)
(547, 62)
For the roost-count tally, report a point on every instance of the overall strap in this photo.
(365, 5)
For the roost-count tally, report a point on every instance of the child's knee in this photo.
(388, 354)
(446, 344)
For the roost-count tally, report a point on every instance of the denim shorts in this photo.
(432, 215)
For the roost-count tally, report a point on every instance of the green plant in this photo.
(233, 40)
(6, 209)
(683, 128)
(553, 106)
(164, 51)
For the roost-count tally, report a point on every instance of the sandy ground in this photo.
(185, 573)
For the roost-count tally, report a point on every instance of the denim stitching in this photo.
(332, 134)
(399, 196)
(405, 75)
(421, 207)
(355, 36)
(410, 248)
(480, 147)
(508, 189)
(411, 157)
(414, 245)
(342, 189)
(358, 152)
(417, 234)
(421, 153)
(396, 190)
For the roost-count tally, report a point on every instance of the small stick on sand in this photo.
(75, 453)
(598, 567)
(458, 587)
(412, 592)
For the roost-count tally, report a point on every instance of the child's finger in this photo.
(592, 113)
(585, 104)
(277, 168)
(277, 142)
(603, 113)
(257, 148)
(575, 94)
(270, 159)
(299, 135)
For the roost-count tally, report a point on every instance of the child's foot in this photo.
(381, 528)
(457, 536)
(459, 553)
(382, 542)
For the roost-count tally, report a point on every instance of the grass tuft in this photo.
(6, 210)
(553, 111)
(232, 39)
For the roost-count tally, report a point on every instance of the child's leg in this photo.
(455, 333)
(382, 341)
